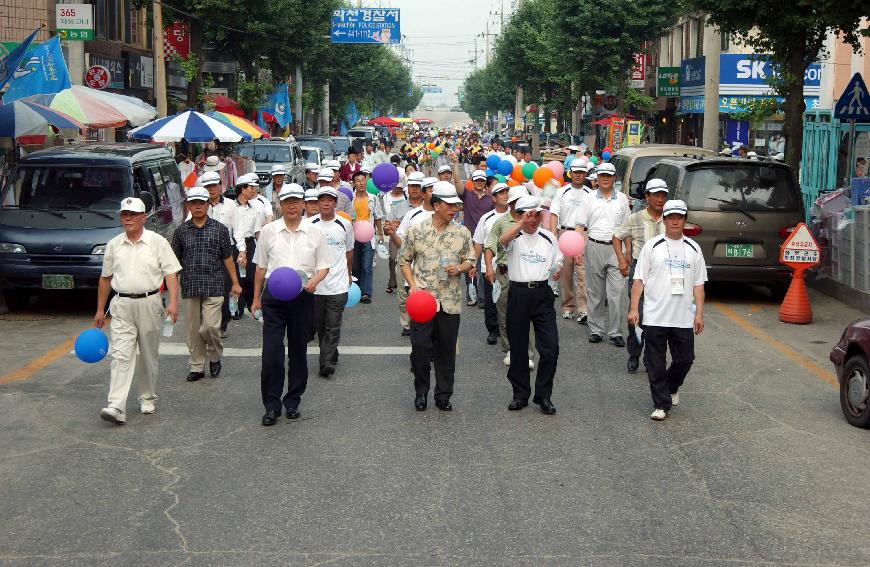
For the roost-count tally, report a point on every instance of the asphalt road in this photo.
(755, 467)
(443, 117)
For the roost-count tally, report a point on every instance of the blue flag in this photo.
(9, 64)
(351, 113)
(42, 71)
(278, 105)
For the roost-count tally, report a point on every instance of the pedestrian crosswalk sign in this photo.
(854, 103)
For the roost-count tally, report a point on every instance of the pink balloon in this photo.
(571, 243)
(363, 231)
(557, 168)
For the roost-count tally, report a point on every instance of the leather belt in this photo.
(568, 228)
(137, 295)
(502, 269)
(601, 242)
(541, 283)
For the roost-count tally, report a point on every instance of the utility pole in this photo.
(519, 122)
(159, 58)
(300, 118)
(712, 49)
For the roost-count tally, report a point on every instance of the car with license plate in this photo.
(632, 163)
(275, 151)
(60, 208)
(740, 212)
(850, 356)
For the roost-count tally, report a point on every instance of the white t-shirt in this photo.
(601, 216)
(339, 240)
(567, 202)
(481, 232)
(412, 218)
(660, 261)
(530, 256)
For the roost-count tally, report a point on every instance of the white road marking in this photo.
(180, 349)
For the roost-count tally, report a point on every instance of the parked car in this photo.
(60, 208)
(312, 154)
(342, 144)
(273, 151)
(323, 142)
(850, 356)
(740, 211)
(632, 163)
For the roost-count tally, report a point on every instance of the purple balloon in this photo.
(385, 176)
(346, 191)
(284, 284)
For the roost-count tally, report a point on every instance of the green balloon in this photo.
(594, 160)
(529, 169)
(501, 178)
(370, 187)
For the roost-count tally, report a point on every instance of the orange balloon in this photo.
(343, 214)
(469, 185)
(512, 182)
(517, 173)
(430, 145)
(513, 138)
(541, 176)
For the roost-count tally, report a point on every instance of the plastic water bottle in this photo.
(234, 305)
(638, 335)
(168, 326)
(243, 272)
(258, 315)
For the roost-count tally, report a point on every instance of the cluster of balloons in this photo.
(508, 170)
(607, 153)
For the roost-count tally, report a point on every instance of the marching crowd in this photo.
(508, 245)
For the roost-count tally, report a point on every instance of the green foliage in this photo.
(250, 94)
(638, 100)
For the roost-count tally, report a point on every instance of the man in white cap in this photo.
(394, 204)
(135, 265)
(445, 172)
(203, 247)
(292, 242)
(602, 212)
(419, 197)
(495, 257)
(278, 173)
(639, 228)
(246, 228)
(434, 254)
(312, 205)
(670, 274)
(223, 210)
(311, 173)
(481, 232)
(476, 203)
(563, 208)
(532, 252)
(330, 297)
(366, 209)
(327, 178)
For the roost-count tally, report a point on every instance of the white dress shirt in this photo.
(531, 256)
(141, 266)
(247, 223)
(481, 232)
(602, 216)
(340, 239)
(302, 249)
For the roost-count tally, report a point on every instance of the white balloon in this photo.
(511, 159)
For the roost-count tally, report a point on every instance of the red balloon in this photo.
(421, 306)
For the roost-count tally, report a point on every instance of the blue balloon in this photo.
(492, 161)
(92, 345)
(284, 284)
(606, 156)
(490, 172)
(505, 167)
(353, 295)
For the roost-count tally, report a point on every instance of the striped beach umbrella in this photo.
(241, 123)
(191, 126)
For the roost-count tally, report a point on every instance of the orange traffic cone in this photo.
(796, 306)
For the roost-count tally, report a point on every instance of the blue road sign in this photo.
(365, 25)
(854, 103)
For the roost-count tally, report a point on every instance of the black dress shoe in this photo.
(293, 413)
(618, 341)
(270, 417)
(420, 402)
(214, 368)
(547, 407)
(366, 299)
(593, 338)
(444, 405)
(406, 332)
(633, 363)
(194, 376)
(326, 372)
(492, 338)
(517, 405)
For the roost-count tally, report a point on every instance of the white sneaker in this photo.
(507, 359)
(675, 399)
(114, 415)
(147, 406)
(531, 364)
(567, 314)
(581, 318)
(658, 415)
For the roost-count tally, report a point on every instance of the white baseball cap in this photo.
(327, 191)
(247, 179)
(332, 164)
(577, 165)
(675, 207)
(402, 179)
(656, 186)
(429, 181)
(132, 204)
(366, 169)
(312, 167)
(197, 194)
(209, 178)
(278, 169)
(498, 187)
(606, 169)
(477, 174)
(528, 203)
(311, 194)
(516, 192)
(291, 190)
(325, 174)
(416, 178)
(444, 168)
(445, 191)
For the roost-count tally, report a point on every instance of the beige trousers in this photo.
(402, 296)
(572, 283)
(135, 323)
(203, 330)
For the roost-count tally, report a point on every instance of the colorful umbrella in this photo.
(191, 126)
(97, 109)
(384, 121)
(241, 123)
(22, 118)
(225, 104)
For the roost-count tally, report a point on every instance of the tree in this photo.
(486, 90)
(756, 111)
(793, 33)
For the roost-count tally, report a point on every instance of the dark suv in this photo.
(60, 208)
(740, 211)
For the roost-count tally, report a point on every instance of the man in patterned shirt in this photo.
(433, 256)
(203, 247)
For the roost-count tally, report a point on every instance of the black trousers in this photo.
(225, 307)
(328, 311)
(437, 337)
(633, 345)
(533, 306)
(664, 380)
(250, 273)
(293, 319)
(490, 313)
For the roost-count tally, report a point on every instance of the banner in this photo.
(176, 40)
(278, 105)
(634, 133)
(9, 64)
(43, 71)
(668, 82)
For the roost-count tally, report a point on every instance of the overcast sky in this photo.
(439, 37)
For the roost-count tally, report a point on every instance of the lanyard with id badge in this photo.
(678, 281)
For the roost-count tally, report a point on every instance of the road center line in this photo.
(804, 362)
